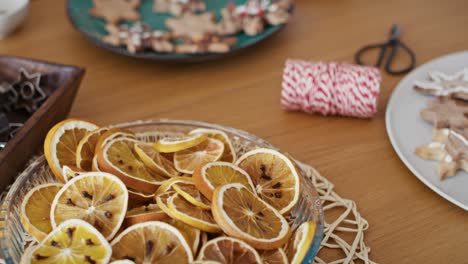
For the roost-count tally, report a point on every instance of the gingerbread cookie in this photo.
(179, 7)
(114, 11)
(448, 147)
(230, 23)
(161, 41)
(443, 85)
(193, 26)
(210, 43)
(445, 113)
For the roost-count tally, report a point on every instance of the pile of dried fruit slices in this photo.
(184, 199)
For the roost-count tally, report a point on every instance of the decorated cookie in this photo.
(209, 44)
(114, 11)
(444, 85)
(230, 23)
(444, 113)
(138, 37)
(179, 7)
(448, 147)
(193, 26)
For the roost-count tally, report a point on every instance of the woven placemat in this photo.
(343, 239)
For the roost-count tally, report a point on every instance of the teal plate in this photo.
(94, 30)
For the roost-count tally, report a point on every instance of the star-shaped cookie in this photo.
(444, 85)
(192, 26)
(114, 11)
(446, 113)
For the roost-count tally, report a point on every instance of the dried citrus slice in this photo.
(167, 185)
(119, 158)
(228, 250)
(98, 198)
(206, 262)
(27, 253)
(144, 213)
(122, 261)
(174, 144)
(61, 142)
(192, 215)
(191, 234)
(229, 154)
(86, 147)
(157, 162)
(111, 134)
(273, 256)
(192, 195)
(73, 241)
(35, 209)
(95, 164)
(209, 150)
(241, 214)
(275, 177)
(70, 172)
(300, 243)
(152, 242)
(161, 201)
(214, 174)
(136, 198)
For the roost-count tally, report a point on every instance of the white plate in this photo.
(407, 130)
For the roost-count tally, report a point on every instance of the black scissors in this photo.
(394, 43)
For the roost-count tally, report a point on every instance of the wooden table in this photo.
(409, 223)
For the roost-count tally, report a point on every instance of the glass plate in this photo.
(14, 239)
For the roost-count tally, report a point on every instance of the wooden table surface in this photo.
(409, 223)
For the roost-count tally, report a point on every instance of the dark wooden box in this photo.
(61, 85)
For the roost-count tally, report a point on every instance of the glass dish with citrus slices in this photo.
(160, 191)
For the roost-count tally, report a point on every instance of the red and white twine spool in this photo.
(330, 88)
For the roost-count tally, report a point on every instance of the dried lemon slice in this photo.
(73, 241)
(119, 158)
(35, 209)
(214, 174)
(112, 134)
(98, 198)
(86, 148)
(275, 177)
(191, 234)
(228, 250)
(209, 150)
(157, 162)
(174, 144)
(61, 142)
(167, 185)
(137, 198)
(190, 193)
(229, 154)
(144, 213)
(152, 242)
(300, 243)
(192, 215)
(243, 215)
(70, 172)
(273, 256)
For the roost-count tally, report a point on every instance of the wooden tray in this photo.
(61, 86)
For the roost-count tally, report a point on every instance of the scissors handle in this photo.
(367, 48)
(395, 46)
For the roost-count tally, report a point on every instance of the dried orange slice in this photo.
(214, 174)
(167, 185)
(192, 215)
(35, 209)
(27, 253)
(112, 134)
(154, 160)
(275, 177)
(119, 158)
(228, 250)
(61, 142)
(191, 234)
(152, 242)
(273, 256)
(86, 147)
(122, 261)
(241, 214)
(229, 154)
(144, 213)
(95, 164)
(98, 198)
(300, 243)
(174, 144)
(73, 241)
(206, 262)
(192, 195)
(209, 150)
(136, 198)
(161, 201)
(70, 172)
